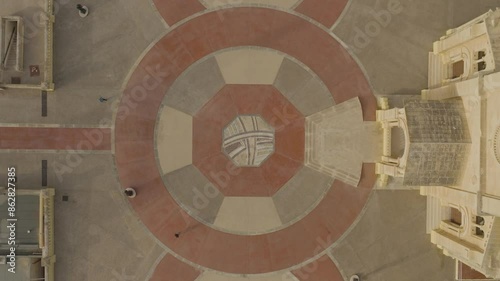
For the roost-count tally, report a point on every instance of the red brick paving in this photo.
(279, 170)
(357, 84)
(469, 273)
(55, 138)
(172, 269)
(235, 253)
(259, 26)
(319, 270)
(290, 141)
(175, 10)
(234, 100)
(325, 12)
(265, 180)
(244, 181)
(207, 140)
(220, 110)
(155, 206)
(368, 176)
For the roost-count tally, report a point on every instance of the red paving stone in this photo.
(368, 176)
(55, 138)
(265, 180)
(319, 270)
(227, 104)
(290, 140)
(232, 253)
(172, 269)
(278, 170)
(356, 82)
(220, 110)
(200, 243)
(233, 181)
(468, 273)
(175, 10)
(207, 139)
(325, 12)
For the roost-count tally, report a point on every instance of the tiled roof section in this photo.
(435, 164)
(439, 142)
(437, 121)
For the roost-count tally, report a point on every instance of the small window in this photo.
(479, 232)
(456, 217)
(479, 220)
(481, 65)
(457, 69)
(481, 54)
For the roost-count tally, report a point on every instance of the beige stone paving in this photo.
(195, 193)
(301, 194)
(393, 60)
(98, 236)
(174, 140)
(356, 142)
(390, 242)
(213, 276)
(302, 88)
(195, 86)
(249, 66)
(248, 214)
(391, 38)
(279, 3)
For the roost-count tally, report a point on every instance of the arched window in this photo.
(455, 222)
(397, 142)
(456, 217)
(457, 69)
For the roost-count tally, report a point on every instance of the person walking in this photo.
(82, 10)
(130, 192)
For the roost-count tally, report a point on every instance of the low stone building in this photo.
(26, 45)
(452, 144)
(29, 228)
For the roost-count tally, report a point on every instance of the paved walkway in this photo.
(177, 74)
(209, 238)
(46, 138)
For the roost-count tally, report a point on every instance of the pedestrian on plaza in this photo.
(130, 192)
(83, 11)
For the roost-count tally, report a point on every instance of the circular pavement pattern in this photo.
(227, 104)
(202, 177)
(136, 153)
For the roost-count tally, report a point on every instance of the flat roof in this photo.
(27, 214)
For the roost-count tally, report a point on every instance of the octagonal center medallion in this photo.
(248, 141)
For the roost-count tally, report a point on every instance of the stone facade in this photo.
(451, 144)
